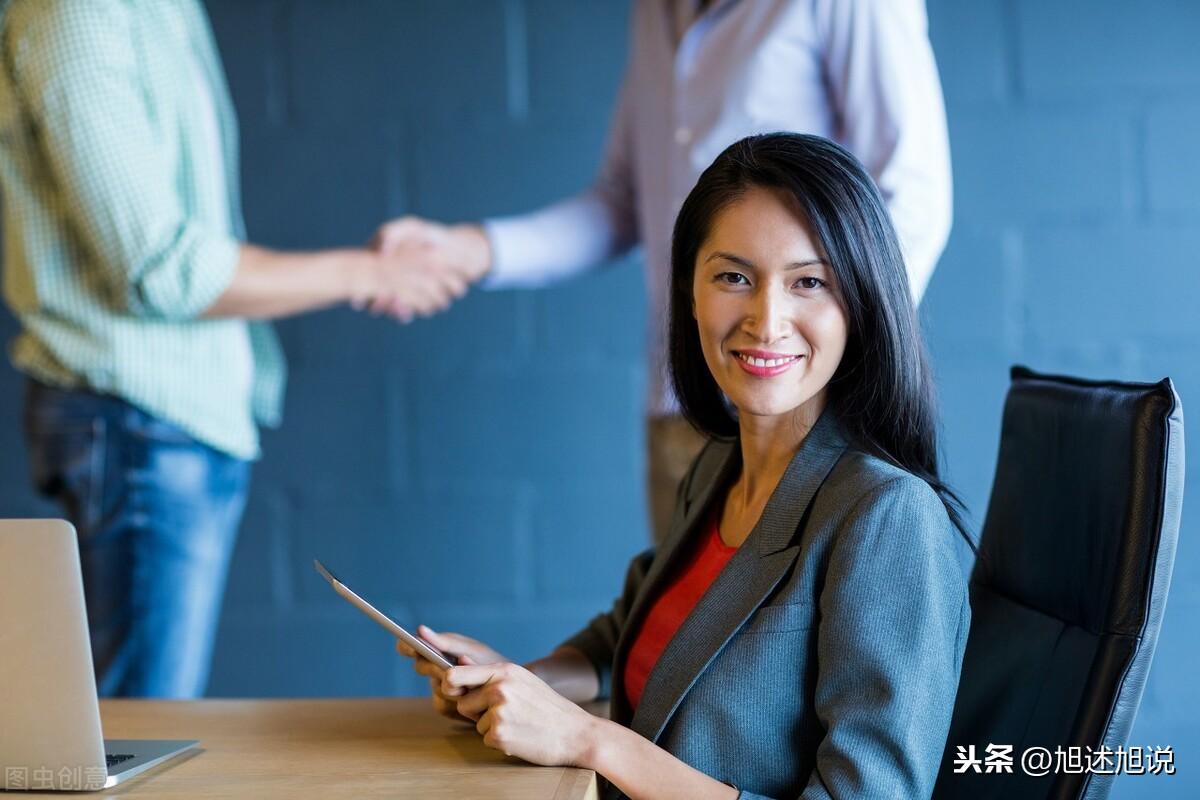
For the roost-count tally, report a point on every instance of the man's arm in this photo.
(77, 71)
(545, 246)
(886, 93)
(268, 284)
(571, 236)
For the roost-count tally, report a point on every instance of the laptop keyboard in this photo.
(116, 758)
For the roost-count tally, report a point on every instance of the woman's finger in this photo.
(484, 723)
(442, 641)
(448, 709)
(476, 651)
(469, 677)
(447, 706)
(422, 665)
(428, 669)
(472, 704)
(453, 643)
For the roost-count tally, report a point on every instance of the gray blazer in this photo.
(823, 661)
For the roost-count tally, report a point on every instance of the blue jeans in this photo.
(157, 514)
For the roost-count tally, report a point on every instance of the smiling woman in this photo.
(772, 327)
(807, 193)
(801, 629)
(767, 305)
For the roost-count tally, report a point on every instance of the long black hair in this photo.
(882, 391)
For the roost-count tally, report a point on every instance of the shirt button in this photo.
(683, 135)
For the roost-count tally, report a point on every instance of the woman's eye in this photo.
(732, 278)
(809, 282)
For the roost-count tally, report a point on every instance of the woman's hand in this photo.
(467, 650)
(520, 715)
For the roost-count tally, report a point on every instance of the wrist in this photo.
(475, 249)
(589, 749)
(597, 740)
(358, 271)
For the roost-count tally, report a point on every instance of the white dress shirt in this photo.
(860, 72)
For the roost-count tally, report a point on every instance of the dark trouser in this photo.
(157, 514)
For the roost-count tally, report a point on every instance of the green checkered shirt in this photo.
(118, 164)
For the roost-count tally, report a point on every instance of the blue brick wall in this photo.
(492, 456)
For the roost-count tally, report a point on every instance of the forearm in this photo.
(643, 770)
(568, 672)
(270, 284)
(557, 242)
(578, 233)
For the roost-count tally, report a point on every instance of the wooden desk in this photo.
(394, 747)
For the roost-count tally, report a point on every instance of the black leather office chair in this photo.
(1068, 593)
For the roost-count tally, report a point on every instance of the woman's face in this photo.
(772, 322)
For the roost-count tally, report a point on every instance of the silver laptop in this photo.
(49, 718)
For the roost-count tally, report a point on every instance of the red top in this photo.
(673, 606)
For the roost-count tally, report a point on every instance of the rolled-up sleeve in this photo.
(894, 621)
(82, 77)
(887, 97)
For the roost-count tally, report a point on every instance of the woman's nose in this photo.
(767, 317)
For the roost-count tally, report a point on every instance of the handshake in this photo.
(417, 267)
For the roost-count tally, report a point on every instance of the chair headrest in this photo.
(1082, 485)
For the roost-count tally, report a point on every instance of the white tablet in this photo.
(423, 647)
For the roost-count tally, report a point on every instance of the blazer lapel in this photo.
(743, 585)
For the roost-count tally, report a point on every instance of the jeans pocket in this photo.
(154, 430)
(67, 464)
